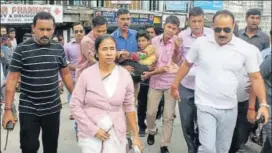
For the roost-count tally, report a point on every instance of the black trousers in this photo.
(142, 104)
(188, 117)
(242, 128)
(30, 127)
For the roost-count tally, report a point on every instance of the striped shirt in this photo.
(39, 67)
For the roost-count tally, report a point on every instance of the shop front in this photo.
(20, 17)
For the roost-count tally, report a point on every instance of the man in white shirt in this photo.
(221, 59)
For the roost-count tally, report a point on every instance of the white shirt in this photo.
(188, 39)
(244, 81)
(13, 43)
(216, 79)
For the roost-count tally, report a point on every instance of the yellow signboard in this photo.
(157, 19)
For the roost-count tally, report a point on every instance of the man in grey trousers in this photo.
(221, 58)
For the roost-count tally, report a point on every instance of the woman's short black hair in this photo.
(99, 40)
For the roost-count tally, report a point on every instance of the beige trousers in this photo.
(153, 101)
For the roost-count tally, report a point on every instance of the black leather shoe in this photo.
(164, 150)
(150, 139)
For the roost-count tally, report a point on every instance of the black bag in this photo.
(138, 69)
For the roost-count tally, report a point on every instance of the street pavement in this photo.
(68, 144)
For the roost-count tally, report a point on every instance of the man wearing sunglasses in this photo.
(221, 58)
(72, 50)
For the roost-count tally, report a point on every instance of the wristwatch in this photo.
(264, 105)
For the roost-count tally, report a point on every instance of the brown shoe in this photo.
(71, 117)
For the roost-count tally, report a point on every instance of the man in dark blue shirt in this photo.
(125, 37)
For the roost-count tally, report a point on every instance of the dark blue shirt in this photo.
(130, 43)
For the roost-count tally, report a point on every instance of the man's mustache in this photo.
(222, 37)
(45, 38)
(125, 24)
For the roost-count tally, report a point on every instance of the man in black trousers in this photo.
(38, 61)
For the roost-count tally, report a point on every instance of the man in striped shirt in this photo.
(37, 61)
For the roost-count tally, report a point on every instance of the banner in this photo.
(13, 13)
(209, 6)
(135, 18)
(177, 5)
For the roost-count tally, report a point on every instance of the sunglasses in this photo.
(218, 30)
(78, 31)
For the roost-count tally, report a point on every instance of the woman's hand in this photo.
(102, 135)
(137, 142)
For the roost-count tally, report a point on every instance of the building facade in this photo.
(143, 12)
(65, 12)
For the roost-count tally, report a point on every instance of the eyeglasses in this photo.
(78, 31)
(218, 30)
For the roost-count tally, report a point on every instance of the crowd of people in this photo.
(119, 84)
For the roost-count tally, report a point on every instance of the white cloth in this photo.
(110, 83)
(13, 43)
(219, 67)
(94, 145)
